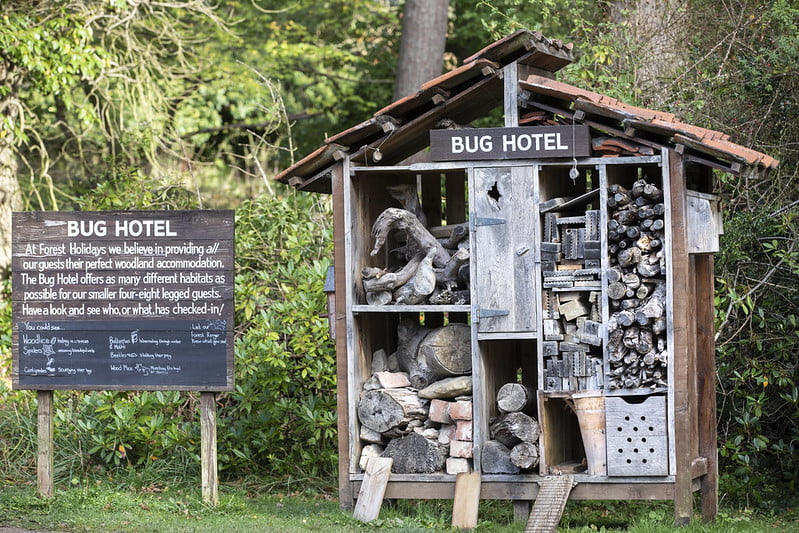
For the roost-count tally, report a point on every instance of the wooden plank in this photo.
(44, 458)
(210, 483)
(680, 278)
(521, 510)
(497, 487)
(373, 488)
(343, 296)
(549, 505)
(706, 383)
(467, 500)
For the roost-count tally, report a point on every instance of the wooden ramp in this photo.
(549, 504)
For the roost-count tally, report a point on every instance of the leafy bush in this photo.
(281, 415)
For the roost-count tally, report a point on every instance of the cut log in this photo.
(419, 239)
(429, 354)
(414, 454)
(512, 428)
(524, 455)
(384, 409)
(513, 397)
(495, 459)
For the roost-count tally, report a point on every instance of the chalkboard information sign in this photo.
(123, 300)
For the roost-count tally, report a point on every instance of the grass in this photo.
(103, 505)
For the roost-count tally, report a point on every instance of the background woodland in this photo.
(177, 104)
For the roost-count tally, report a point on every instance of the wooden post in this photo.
(210, 482)
(44, 462)
(346, 497)
(706, 385)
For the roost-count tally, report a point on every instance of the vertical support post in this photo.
(706, 384)
(44, 460)
(681, 275)
(210, 482)
(511, 89)
(346, 497)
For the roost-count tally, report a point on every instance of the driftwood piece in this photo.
(408, 196)
(414, 454)
(391, 280)
(513, 397)
(449, 274)
(384, 409)
(512, 428)
(524, 455)
(419, 239)
(448, 388)
(495, 459)
(420, 285)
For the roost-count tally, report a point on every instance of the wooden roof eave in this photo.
(320, 158)
(413, 136)
(365, 131)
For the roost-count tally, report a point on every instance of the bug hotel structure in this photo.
(527, 306)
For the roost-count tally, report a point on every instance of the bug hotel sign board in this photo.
(125, 300)
(534, 142)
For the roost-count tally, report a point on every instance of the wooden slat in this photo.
(373, 488)
(467, 500)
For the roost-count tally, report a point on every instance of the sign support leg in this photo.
(44, 460)
(210, 482)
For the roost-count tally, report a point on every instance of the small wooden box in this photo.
(637, 441)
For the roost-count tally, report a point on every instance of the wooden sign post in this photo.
(123, 300)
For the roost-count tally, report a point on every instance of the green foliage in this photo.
(282, 414)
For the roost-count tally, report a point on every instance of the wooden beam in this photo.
(44, 460)
(706, 384)
(210, 483)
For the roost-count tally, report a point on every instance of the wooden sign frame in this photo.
(124, 300)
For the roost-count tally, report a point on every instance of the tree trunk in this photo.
(495, 459)
(421, 53)
(524, 455)
(414, 454)
(659, 26)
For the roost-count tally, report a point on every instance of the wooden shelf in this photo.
(411, 308)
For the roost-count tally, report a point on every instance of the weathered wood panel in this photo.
(504, 282)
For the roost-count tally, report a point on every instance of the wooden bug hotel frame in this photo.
(529, 300)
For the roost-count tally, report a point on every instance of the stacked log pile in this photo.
(432, 264)
(572, 317)
(637, 351)
(513, 447)
(417, 406)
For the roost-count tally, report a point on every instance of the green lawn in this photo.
(104, 506)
